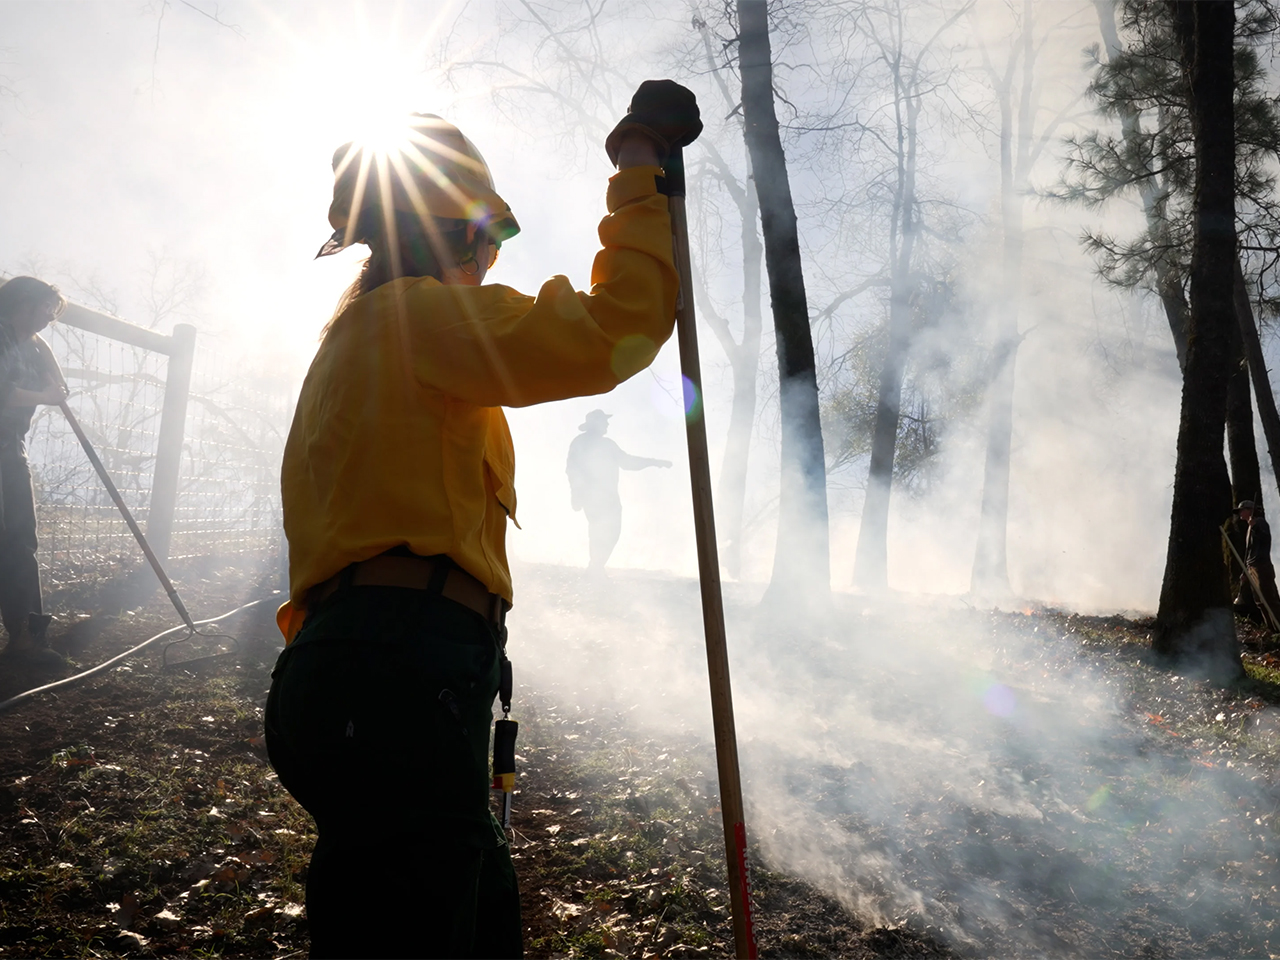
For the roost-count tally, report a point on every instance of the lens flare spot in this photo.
(630, 355)
(692, 398)
(1098, 799)
(999, 700)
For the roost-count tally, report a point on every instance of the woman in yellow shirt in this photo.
(397, 482)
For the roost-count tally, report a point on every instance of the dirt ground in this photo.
(139, 817)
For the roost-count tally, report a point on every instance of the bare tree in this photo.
(801, 563)
(912, 81)
(744, 353)
(160, 8)
(1021, 146)
(171, 288)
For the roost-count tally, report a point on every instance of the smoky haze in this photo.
(931, 762)
(209, 149)
(182, 151)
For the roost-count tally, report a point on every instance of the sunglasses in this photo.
(471, 266)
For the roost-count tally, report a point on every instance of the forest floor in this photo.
(139, 817)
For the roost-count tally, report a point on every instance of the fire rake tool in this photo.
(704, 525)
(1253, 577)
(152, 559)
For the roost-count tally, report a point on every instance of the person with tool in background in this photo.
(593, 465)
(29, 376)
(397, 485)
(1258, 582)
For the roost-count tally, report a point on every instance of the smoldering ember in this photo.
(609, 478)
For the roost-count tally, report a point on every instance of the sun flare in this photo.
(358, 82)
(384, 130)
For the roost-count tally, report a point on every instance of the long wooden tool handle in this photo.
(1254, 582)
(128, 516)
(704, 525)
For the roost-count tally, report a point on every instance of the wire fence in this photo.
(228, 502)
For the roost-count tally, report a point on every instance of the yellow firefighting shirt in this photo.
(399, 436)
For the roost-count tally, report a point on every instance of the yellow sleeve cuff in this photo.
(634, 183)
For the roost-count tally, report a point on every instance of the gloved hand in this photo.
(663, 111)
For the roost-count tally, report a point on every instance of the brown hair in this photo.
(22, 293)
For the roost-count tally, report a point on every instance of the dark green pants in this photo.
(378, 723)
(19, 570)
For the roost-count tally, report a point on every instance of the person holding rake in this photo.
(29, 376)
(398, 482)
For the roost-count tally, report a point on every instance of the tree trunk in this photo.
(990, 576)
(1242, 452)
(871, 561)
(744, 357)
(801, 562)
(1176, 310)
(745, 361)
(1258, 372)
(1194, 623)
(1168, 283)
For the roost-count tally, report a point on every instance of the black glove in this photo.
(663, 111)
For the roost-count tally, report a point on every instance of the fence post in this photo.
(173, 419)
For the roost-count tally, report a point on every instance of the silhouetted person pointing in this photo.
(594, 462)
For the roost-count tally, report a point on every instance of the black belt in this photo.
(438, 575)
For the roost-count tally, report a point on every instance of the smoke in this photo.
(967, 771)
(915, 758)
(211, 150)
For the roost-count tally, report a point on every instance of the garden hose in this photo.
(108, 664)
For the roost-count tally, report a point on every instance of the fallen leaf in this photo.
(136, 941)
(123, 912)
(197, 871)
(229, 873)
(569, 914)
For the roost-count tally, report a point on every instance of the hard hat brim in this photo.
(448, 181)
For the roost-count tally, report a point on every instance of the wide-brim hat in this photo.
(436, 174)
(595, 416)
